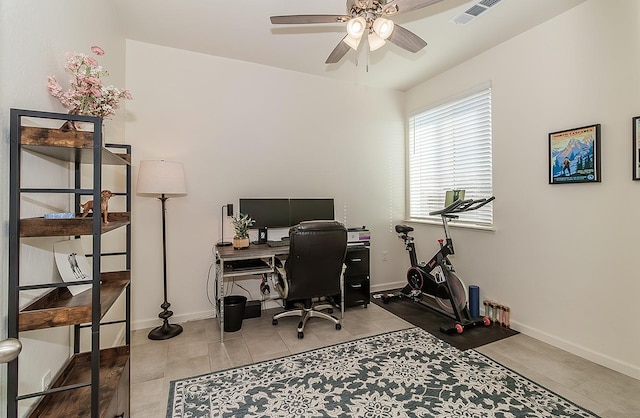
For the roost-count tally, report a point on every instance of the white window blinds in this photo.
(450, 148)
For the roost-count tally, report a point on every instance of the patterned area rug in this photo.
(407, 373)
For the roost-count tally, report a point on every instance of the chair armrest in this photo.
(279, 262)
(281, 283)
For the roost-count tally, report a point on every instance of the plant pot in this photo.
(240, 243)
(70, 126)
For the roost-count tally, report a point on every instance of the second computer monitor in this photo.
(310, 210)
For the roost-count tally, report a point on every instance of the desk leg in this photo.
(220, 299)
(344, 267)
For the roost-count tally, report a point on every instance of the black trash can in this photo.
(234, 306)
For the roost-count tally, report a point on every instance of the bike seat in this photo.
(403, 229)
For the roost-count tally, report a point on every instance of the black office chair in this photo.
(313, 270)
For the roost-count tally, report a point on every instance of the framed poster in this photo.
(574, 155)
(636, 148)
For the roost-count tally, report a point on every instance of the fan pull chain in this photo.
(367, 66)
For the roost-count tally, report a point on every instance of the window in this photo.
(450, 148)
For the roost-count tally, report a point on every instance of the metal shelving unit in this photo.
(93, 383)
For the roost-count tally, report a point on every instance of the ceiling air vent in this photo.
(474, 11)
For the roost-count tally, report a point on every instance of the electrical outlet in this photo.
(46, 380)
(385, 256)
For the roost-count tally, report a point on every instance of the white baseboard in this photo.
(194, 316)
(606, 361)
(177, 319)
(387, 286)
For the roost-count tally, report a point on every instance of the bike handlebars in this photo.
(463, 206)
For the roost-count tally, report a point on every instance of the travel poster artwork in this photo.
(574, 155)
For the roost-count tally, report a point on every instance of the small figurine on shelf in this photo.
(104, 205)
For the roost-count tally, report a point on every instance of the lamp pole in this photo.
(166, 330)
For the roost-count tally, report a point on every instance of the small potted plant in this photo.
(241, 223)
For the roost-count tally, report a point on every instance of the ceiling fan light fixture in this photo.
(352, 42)
(375, 42)
(383, 27)
(356, 27)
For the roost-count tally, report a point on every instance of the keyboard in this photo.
(283, 243)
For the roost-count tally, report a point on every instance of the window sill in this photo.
(453, 224)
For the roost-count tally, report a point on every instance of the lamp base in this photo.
(165, 331)
(223, 244)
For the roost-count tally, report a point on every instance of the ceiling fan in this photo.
(369, 17)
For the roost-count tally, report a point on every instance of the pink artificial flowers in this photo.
(97, 50)
(87, 95)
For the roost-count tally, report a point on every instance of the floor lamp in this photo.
(159, 179)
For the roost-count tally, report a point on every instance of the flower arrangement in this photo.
(87, 95)
(242, 223)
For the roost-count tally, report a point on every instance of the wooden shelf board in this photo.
(41, 227)
(60, 308)
(72, 146)
(114, 364)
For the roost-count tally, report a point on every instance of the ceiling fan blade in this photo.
(406, 39)
(402, 6)
(303, 19)
(338, 52)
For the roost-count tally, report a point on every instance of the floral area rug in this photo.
(407, 373)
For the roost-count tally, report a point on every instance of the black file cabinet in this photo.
(356, 276)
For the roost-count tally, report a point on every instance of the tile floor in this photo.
(198, 350)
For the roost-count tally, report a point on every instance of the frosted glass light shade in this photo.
(156, 177)
(356, 27)
(383, 27)
(352, 42)
(375, 42)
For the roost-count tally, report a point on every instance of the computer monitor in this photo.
(268, 213)
(310, 210)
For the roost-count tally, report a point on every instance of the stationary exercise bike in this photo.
(436, 279)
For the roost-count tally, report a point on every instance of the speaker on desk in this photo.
(262, 235)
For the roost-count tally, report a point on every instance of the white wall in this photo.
(563, 257)
(34, 37)
(246, 130)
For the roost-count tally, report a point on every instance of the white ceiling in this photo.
(241, 30)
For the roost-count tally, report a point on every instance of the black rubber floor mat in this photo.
(430, 321)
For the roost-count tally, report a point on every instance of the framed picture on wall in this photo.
(574, 155)
(636, 148)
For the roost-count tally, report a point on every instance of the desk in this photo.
(355, 277)
(224, 255)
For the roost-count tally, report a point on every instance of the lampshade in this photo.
(356, 27)
(375, 41)
(352, 42)
(383, 27)
(157, 177)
